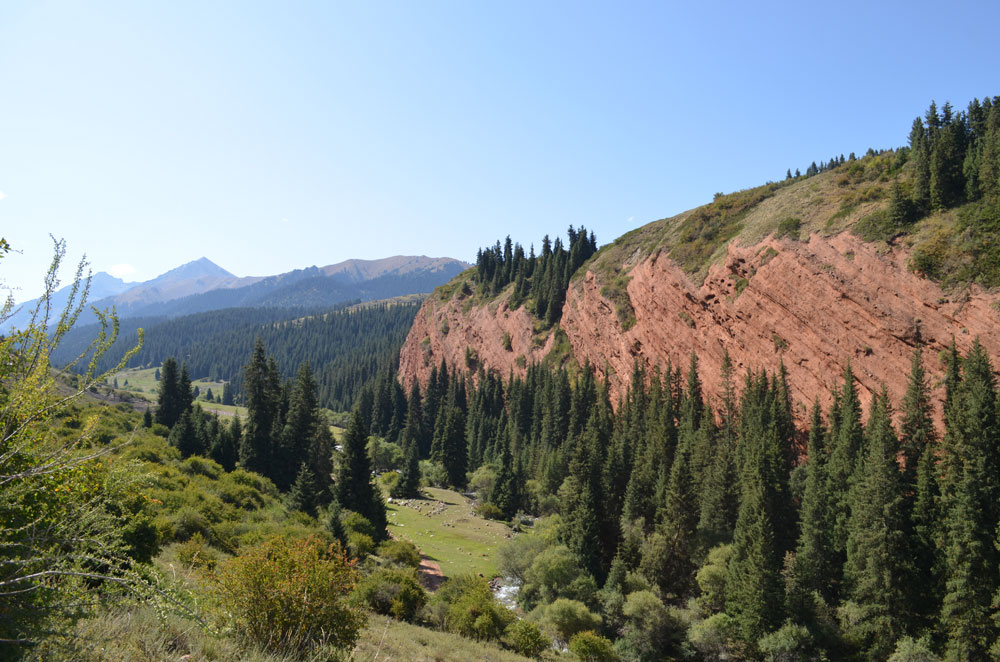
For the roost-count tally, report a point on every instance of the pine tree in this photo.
(262, 393)
(408, 485)
(184, 436)
(304, 493)
(169, 405)
(452, 446)
(813, 560)
(507, 490)
(754, 593)
(917, 438)
(354, 489)
(846, 445)
(971, 514)
(877, 568)
(300, 429)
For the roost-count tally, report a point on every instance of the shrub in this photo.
(400, 552)
(360, 545)
(197, 553)
(524, 638)
(592, 647)
(556, 573)
(289, 596)
(196, 465)
(433, 474)
(187, 522)
(356, 523)
(914, 650)
(787, 644)
(489, 511)
(391, 592)
(565, 618)
(789, 227)
(472, 611)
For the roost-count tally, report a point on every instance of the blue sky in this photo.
(273, 136)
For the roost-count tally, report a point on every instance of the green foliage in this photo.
(914, 650)
(709, 227)
(489, 511)
(790, 643)
(525, 638)
(74, 523)
(564, 618)
(472, 611)
(348, 348)
(289, 596)
(391, 592)
(553, 574)
(588, 646)
(354, 489)
(789, 227)
(400, 552)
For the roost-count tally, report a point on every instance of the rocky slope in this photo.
(813, 304)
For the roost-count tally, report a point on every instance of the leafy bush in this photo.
(524, 638)
(591, 647)
(391, 592)
(556, 573)
(360, 545)
(789, 227)
(400, 552)
(789, 643)
(565, 618)
(469, 609)
(356, 523)
(489, 511)
(289, 596)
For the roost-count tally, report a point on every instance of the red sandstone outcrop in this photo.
(813, 305)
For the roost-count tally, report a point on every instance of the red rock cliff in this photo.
(814, 305)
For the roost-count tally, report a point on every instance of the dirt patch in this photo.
(430, 574)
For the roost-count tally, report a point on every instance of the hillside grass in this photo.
(448, 531)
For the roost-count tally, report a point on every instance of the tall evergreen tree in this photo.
(262, 392)
(971, 515)
(354, 489)
(408, 485)
(304, 494)
(846, 445)
(877, 568)
(169, 402)
(813, 559)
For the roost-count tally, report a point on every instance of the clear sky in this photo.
(273, 136)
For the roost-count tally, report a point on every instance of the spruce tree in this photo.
(354, 489)
(169, 405)
(846, 445)
(878, 564)
(262, 393)
(408, 485)
(304, 493)
(184, 436)
(917, 438)
(299, 431)
(971, 514)
(813, 559)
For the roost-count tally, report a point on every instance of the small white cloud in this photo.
(121, 270)
(630, 219)
(284, 220)
(2, 195)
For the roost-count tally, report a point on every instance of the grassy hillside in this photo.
(446, 530)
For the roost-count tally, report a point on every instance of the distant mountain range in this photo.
(202, 285)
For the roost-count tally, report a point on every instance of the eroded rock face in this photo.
(813, 305)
